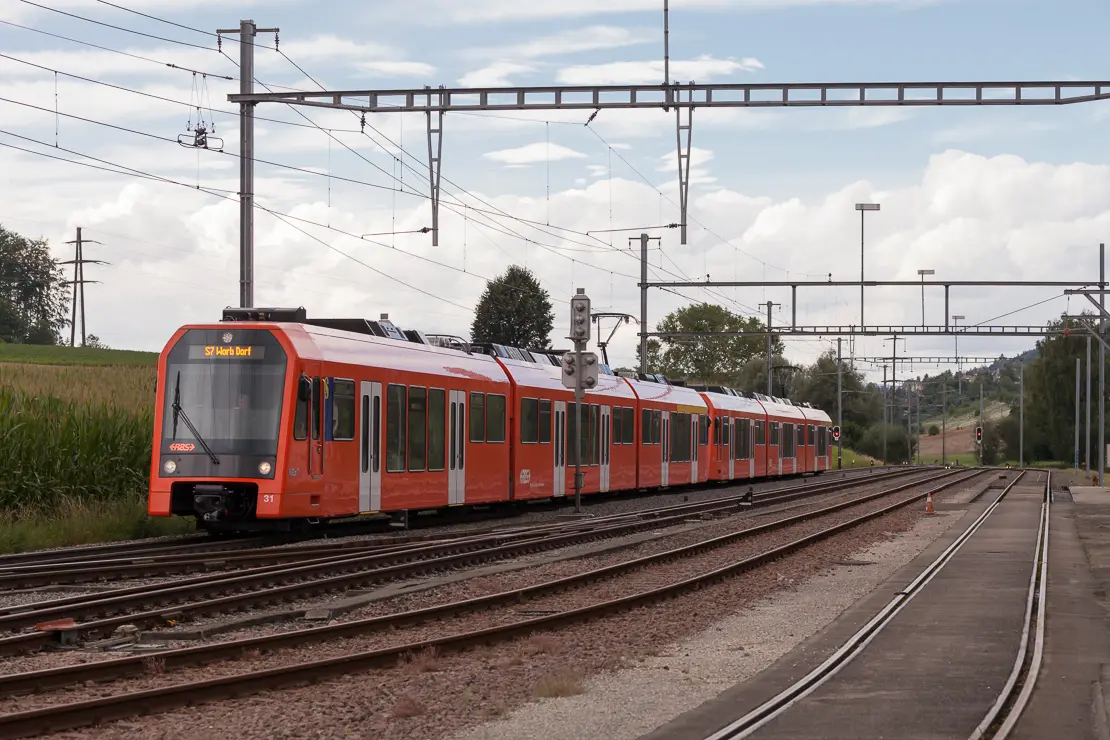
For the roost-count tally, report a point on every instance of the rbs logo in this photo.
(182, 447)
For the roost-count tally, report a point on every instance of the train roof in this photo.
(661, 392)
(813, 413)
(729, 402)
(532, 375)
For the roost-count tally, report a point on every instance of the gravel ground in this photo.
(483, 680)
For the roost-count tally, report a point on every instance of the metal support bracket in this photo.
(681, 113)
(435, 153)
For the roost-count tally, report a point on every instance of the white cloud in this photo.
(494, 75)
(538, 152)
(669, 162)
(702, 69)
(387, 68)
(571, 41)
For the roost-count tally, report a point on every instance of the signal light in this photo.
(836, 433)
(978, 435)
(580, 317)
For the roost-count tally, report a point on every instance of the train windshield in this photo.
(223, 389)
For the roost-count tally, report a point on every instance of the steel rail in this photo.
(142, 596)
(1038, 584)
(857, 643)
(83, 713)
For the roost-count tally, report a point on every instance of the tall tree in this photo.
(514, 310)
(33, 297)
(710, 359)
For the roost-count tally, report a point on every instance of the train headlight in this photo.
(170, 467)
(265, 468)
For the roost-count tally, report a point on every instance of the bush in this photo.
(934, 430)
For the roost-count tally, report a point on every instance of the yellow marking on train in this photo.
(692, 409)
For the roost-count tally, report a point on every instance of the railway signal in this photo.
(836, 433)
(978, 435)
(576, 365)
(580, 372)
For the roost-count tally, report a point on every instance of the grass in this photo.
(853, 459)
(81, 522)
(82, 356)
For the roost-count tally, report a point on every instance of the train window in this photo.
(495, 418)
(343, 410)
(317, 398)
(529, 420)
(395, 408)
(574, 442)
(477, 417)
(703, 430)
(760, 433)
(377, 440)
(774, 432)
(300, 419)
(717, 422)
(726, 430)
(437, 421)
(595, 434)
(629, 425)
(545, 422)
(812, 434)
(802, 435)
(618, 437)
(656, 427)
(645, 427)
(418, 429)
(365, 443)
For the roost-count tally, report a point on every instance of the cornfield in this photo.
(73, 433)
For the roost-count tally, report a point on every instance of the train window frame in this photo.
(477, 423)
(761, 432)
(402, 420)
(300, 419)
(703, 430)
(416, 443)
(645, 426)
(337, 404)
(616, 420)
(545, 426)
(316, 417)
(629, 425)
(500, 417)
(441, 394)
(656, 427)
(529, 422)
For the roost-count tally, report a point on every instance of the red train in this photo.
(269, 418)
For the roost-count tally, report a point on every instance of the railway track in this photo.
(579, 597)
(1004, 713)
(181, 600)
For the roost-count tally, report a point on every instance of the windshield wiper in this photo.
(178, 411)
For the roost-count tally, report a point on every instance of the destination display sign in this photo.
(226, 352)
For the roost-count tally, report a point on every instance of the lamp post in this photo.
(923, 273)
(959, 382)
(862, 208)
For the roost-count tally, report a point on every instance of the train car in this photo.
(818, 438)
(783, 421)
(278, 418)
(545, 417)
(733, 418)
(674, 434)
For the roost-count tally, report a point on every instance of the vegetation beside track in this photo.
(84, 521)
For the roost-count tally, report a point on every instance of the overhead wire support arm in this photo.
(435, 154)
(684, 151)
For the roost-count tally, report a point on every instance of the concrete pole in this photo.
(1078, 372)
(1101, 364)
(944, 421)
(885, 413)
(769, 338)
(839, 407)
(643, 302)
(862, 323)
(1087, 448)
(982, 421)
(246, 165)
(1021, 417)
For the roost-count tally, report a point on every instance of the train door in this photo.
(456, 474)
(316, 423)
(750, 449)
(606, 433)
(694, 439)
(370, 447)
(560, 484)
(664, 479)
(730, 435)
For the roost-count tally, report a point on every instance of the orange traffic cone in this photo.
(929, 504)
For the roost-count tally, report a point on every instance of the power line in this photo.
(118, 28)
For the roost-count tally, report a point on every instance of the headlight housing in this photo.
(170, 467)
(265, 467)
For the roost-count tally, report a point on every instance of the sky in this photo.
(1000, 193)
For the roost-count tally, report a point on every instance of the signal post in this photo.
(580, 373)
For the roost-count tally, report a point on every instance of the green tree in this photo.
(33, 298)
(934, 430)
(713, 360)
(654, 356)
(515, 311)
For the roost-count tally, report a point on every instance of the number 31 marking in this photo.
(267, 498)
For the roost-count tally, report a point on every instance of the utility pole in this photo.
(863, 208)
(885, 414)
(1078, 370)
(944, 420)
(1101, 363)
(1021, 417)
(78, 283)
(644, 239)
(839, 407)
(769, 346)
(982, 421)
(247, 32)
(1087, 450)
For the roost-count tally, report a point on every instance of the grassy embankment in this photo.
(75, 428)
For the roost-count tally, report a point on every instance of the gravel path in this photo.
(457, 690)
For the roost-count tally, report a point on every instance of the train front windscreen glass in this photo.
(228, 385)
